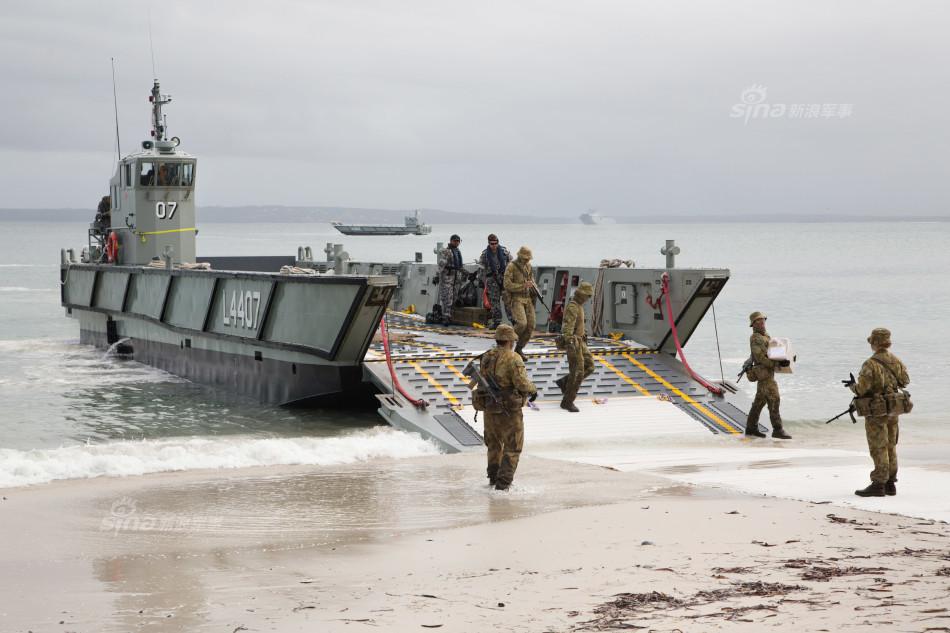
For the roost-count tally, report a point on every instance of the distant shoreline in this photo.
(295, 215)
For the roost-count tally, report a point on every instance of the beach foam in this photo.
(771, 468)
(26, 467)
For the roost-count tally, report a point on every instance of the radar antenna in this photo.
(157, 100)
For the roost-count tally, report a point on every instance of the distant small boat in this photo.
(413, 226)
(596, 218)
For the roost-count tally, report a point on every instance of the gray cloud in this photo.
(529, 107)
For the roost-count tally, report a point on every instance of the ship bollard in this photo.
(671, 250)
(340, 258)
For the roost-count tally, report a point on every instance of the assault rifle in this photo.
(851, 408)
(850, 411)
(489, 385)
(746, 366)
(537, 293)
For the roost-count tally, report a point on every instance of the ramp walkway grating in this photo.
(429, 360)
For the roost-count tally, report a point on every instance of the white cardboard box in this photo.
(781, 349)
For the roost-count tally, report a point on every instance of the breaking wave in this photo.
(116, 459)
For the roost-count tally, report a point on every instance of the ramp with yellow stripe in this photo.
(632, 390)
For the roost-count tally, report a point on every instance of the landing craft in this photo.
(412, 225)
(298, 330)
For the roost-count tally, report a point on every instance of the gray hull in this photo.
(268, 381)
(278, 339)
(373, 230)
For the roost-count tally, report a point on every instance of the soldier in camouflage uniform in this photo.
(881, 374)
(494, 261)
(504, 426)
(766, 392)
(574, 341)
(519, 282)
(450, 269)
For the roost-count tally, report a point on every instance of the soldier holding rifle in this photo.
(503, 389)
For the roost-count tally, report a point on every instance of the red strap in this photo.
(417, 402)
(676, 339)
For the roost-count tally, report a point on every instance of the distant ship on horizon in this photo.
(592, 217)
(413, 226)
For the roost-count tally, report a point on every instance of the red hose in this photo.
(676, 339)
(417, 402)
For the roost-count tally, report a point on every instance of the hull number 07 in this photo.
(165, 210)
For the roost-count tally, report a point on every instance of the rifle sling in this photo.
(887, 367)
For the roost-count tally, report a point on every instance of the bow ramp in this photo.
(633, 391)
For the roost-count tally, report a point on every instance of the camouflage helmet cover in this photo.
(524, 252)
(755, 316)
(585, 289)
(880, 336)
(505, 333)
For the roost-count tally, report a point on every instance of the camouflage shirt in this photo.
(573, 322)
(508, 371)
(450, 261)
(515, 277)
(875, 377)
(759, 345)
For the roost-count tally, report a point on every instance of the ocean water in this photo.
(72, 411)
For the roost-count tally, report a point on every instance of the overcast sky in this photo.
(543, 107)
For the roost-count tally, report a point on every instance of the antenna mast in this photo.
(151, 47)
(158, 121)
(115, 103)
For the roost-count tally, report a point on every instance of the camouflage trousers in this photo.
(882, 432)
(766, 393)
(448, 289)
(496, 298)
(504, 439)
(522, 319)
(580, 365)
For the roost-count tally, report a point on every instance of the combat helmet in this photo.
(524, 252)
(505, 333)
(755, 316)
(880, 337)
(585, 288)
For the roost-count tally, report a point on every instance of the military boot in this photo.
(874, 490)
(519, 350)
(492, 474)
(561, 383)
(568, 405)
(890, 487)
(752, 430)
(778, 432)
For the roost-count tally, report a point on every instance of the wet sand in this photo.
(419, 543)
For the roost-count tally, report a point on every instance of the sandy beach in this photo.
(424, 544)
